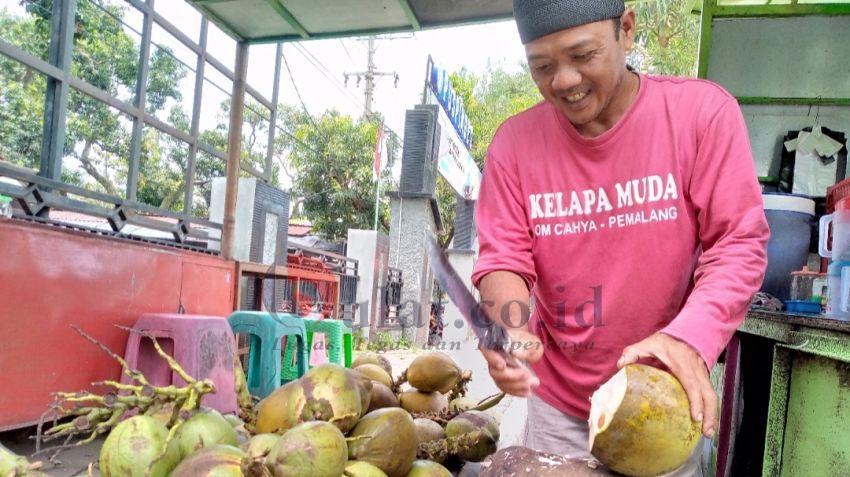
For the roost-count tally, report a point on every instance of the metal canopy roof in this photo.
(261, 21)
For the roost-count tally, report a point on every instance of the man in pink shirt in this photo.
(628, 206)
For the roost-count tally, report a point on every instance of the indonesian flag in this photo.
(379, 149)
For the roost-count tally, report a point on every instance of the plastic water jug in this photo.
(840, 221)
(790, 219)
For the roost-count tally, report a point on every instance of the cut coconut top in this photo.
(605, 402)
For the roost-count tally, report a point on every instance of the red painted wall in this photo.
(51, 278)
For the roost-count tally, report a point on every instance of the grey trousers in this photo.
(549, 430)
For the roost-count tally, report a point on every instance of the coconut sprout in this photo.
(97, 414)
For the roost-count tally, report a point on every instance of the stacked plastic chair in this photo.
(266, 369)
(202, 345)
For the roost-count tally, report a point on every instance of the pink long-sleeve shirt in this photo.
(656, 225)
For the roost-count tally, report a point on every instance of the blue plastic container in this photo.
(790, 219)
(802, 306)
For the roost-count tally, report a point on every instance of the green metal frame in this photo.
(711, 10)
(411, 16)
(289, 17)
(794, 101)
(303, 34)
(800, 9)
(791, 340)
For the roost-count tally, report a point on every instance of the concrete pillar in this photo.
(371, 250)
(412, 219)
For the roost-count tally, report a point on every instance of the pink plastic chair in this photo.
(203, 345)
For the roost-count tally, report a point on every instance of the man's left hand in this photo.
(688, 367)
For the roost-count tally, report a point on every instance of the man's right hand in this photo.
(515, 381)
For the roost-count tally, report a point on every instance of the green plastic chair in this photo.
(338, 338)
(266, 370)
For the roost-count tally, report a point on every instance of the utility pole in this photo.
(370, 76)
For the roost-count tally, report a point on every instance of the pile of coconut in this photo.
(331, 422)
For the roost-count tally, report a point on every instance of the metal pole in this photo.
(377, 200)
(370, 78)
(139, 102)
(234, 150)
(56, 95)
(273, 114)
(189, 191)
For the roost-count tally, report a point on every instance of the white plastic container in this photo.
(838, 291)
(840, 221)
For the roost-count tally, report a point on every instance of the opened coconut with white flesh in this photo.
(640, 423)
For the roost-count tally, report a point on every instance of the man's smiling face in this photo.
(581, 70)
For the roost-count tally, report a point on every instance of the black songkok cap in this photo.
(537, 18)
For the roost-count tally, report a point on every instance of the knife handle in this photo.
(513, 362)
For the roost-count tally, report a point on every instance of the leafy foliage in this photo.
(667, 37)
(332, 162)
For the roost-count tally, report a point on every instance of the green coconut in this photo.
(134, 445)
(386, 438)
(327, 392)
(415, 401)
(462, 404)
(375, 373)
(373, 358)
(12, 464)
(233, 419)
(356, 468)
(427, 468)
(207, 427)
(434, 371)
(365, 387)
(214, 461)
(381, 397)
(311, 449)
(640, 422)
(260, 445)
(428, 430)
(471, 421)
(278, 412)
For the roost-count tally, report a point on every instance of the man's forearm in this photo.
(505, 299)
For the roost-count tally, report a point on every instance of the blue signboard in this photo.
(440, 84)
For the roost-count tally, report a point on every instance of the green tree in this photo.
(331, 157)
(667, 37)
(97, 136)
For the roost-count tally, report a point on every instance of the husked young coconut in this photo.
(327, 392)
(382, 397)
(640, 422)
(375, 373)
(373, 358)
(385, 438)
(433, 371)
(414, 401)
(311, 449)
(428, 430)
